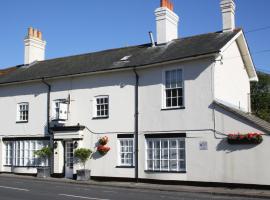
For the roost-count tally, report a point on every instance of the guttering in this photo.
(48, 104)
(136, 124)
(212, 54)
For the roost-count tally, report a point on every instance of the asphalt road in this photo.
(24, 189)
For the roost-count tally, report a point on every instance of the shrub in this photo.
(83, 155)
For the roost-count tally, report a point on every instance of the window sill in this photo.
(59, 120)
(95, 118)
(125, 167)
(21, 122)
(178, 108)
(170, 172)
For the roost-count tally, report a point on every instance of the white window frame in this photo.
(95, 114)
(163, 92)
(160, 159)
(8, 153)
(21, 114)
(22, 153)
(120, 152)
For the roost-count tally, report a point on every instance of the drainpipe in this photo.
(48, 104)
(136, 126)
(48, 118)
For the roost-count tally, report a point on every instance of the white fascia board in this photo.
(245, 54)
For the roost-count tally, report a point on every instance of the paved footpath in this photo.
(68, 189)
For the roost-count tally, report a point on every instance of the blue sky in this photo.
(79, 26)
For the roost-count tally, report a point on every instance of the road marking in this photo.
(13, 188)
(81, 197)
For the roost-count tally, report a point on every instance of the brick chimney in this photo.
(34, 46)
(228, 14)
(166, 22)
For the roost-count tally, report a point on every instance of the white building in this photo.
(166, 107)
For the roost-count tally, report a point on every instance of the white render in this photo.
(232, 88)
(228, 14)
(166, 25)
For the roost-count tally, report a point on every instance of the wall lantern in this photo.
(55, 144)
(75, 144)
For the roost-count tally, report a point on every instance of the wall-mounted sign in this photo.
(203, 145)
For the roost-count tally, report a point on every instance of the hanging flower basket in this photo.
(103, 149)
(104, 140)
(250, 138)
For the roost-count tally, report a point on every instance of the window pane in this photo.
(173, 165)
(169, 102)
(164, 154)
(168, 79)
(174, 102)
(164, 165)
(156, 165)
(173, 143)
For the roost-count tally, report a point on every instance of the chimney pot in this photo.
(35, 33)
(39, 34)
(30, 31)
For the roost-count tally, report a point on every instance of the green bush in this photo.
(83, 155)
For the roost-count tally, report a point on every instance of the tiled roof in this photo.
(111, 59)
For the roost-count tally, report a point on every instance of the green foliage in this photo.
(260, 97)
(83, 155)
(44, 153)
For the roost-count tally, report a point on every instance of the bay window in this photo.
(21, 153)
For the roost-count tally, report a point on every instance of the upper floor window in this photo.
(173, 89)
(22, 112)
(60, 110)
(101, 106)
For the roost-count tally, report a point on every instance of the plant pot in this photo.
(43, 172)
(83, 175)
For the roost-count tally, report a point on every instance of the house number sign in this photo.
(203, 145)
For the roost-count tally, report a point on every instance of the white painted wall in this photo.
(231, 79)
(10, 96)
(197, 98)
(227, 163)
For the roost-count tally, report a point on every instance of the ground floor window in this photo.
(21, 152)
(166, 154)
(126, 151)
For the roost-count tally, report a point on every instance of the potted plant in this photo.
(43, 154)
(82, 155)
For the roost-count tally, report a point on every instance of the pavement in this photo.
(213, 191)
